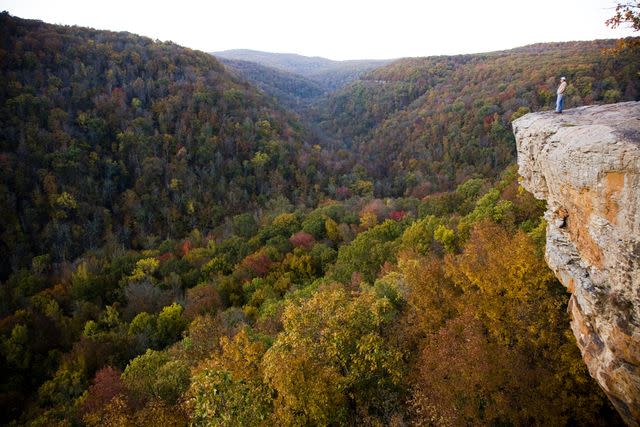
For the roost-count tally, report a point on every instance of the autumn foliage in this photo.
(182, 251)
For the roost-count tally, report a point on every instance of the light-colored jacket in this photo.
(562, 87)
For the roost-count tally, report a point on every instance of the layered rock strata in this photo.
(585, 163)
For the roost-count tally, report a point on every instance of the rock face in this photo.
(586, 164)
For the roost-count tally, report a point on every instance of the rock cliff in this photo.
(586, 164)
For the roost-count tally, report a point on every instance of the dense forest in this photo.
(113, 137)
(421, 125)
(181, 249)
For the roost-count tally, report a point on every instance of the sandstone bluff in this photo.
(586, 164)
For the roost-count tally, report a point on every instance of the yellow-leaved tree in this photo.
(332, 360)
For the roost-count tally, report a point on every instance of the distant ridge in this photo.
(291, 62)
(329, 73)
(289, 89)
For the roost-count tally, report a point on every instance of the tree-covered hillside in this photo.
(422, 125)
(114, 138)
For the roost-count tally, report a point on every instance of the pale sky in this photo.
(338, 29)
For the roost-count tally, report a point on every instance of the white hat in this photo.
(563, 78)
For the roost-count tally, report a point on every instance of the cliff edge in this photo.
(586, 164)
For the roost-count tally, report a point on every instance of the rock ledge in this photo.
(586, 164)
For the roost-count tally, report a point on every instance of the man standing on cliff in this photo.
(560, 99)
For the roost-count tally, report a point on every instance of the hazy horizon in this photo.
(338, 30)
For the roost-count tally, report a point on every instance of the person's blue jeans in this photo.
(560, 103)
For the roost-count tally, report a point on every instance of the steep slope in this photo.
(330, 74)
(426, 124)
(586, 164)
(111, 137)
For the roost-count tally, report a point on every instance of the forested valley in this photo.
(190, 243)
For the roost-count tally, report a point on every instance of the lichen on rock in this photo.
(586, 164)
